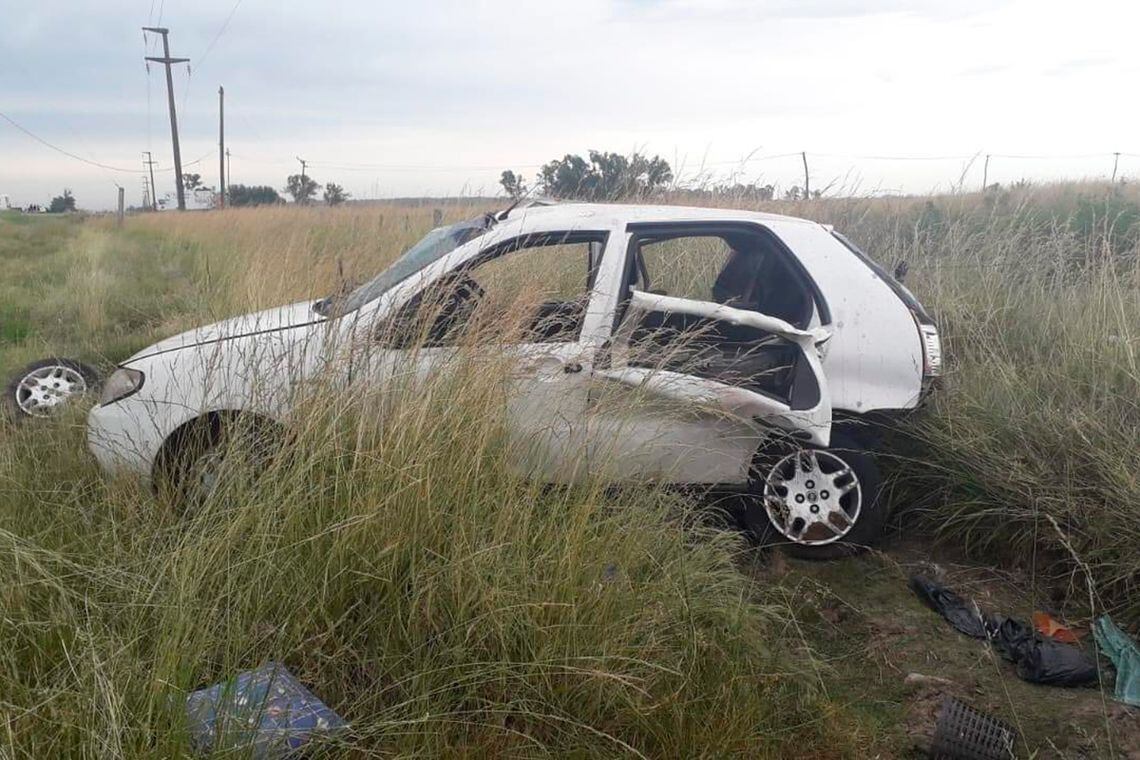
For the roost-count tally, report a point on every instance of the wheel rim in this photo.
(43, 390)
(812, 497)
(205, 475)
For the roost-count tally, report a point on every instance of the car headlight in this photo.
(123, 382)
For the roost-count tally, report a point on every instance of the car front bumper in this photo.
(125, 437)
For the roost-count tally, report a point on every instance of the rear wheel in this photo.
(44, 387)
(816, 503)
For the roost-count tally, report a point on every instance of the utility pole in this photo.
(229, 169)
(167, 61)
(986, 173)
(119, 215)
(303, 199)
(222, 144)
(1115, 164)
(153, 190)
(807, 177)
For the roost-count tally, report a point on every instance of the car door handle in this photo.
(571, 367)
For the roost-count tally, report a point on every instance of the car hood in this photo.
(295, 315)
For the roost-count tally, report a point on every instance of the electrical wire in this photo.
(221, 31)
(67, 153)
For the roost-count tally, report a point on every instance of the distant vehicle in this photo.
(768, 339)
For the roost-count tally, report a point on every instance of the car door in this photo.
(525, 309)
(690, 386)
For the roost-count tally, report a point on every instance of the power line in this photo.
(65, 152)
(221, 31)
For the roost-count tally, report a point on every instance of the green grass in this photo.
(446, 607)
(391, 560)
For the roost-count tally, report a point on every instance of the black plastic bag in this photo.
(963, 615)
(1039, 659)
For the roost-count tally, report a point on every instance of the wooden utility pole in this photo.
(1115, 164)
(119, 216)
(153, 190)
(229, 169)
(222, 145)
(986, 173)
(807, 177)
(167, 61)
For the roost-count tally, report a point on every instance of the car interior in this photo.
(532, 290)
(744, 270)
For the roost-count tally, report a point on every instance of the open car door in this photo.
(691, 389)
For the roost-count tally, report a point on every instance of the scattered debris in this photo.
(963, 733)
(265, 710)
(1125, 656)
(1050, 627)
(1038, 659)
(965, 617)
(45, 386)
(918, 679)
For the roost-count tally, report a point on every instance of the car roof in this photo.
(613, 213)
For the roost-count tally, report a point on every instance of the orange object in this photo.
(1048, 626)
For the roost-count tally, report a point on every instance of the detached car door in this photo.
(697, 371)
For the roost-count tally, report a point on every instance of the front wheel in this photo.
(816, 503)
(195, 460)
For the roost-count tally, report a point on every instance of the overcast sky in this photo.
(437, 97)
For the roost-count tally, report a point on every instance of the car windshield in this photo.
(433, 247)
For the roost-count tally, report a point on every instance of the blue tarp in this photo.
(266, 710)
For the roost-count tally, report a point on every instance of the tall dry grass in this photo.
(1030, 449)
(395, 560)
(446, 605)
(1030, 453)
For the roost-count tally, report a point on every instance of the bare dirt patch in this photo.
(892, 661)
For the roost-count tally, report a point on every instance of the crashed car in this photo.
(736, 351)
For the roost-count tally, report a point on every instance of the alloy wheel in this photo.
(812, 497)
(43, 390)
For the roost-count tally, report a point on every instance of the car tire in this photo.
(191, 461)
(44, 386)
(846, 450)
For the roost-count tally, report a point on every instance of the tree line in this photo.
(303, 190)
(602, 176)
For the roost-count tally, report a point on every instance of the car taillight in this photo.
(931, 348)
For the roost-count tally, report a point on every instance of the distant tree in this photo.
(749, 192)
(302, 192)
(513, 184)
(335, 194)
(252, 195)
(793, 193)
(606, 177)
(62, 203)
(191, 182)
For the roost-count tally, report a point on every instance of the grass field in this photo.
(444, 606)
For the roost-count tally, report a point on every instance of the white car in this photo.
(768, 339)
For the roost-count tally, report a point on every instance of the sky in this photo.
(437, 97)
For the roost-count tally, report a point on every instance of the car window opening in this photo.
(741, 269)
(533, 289)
